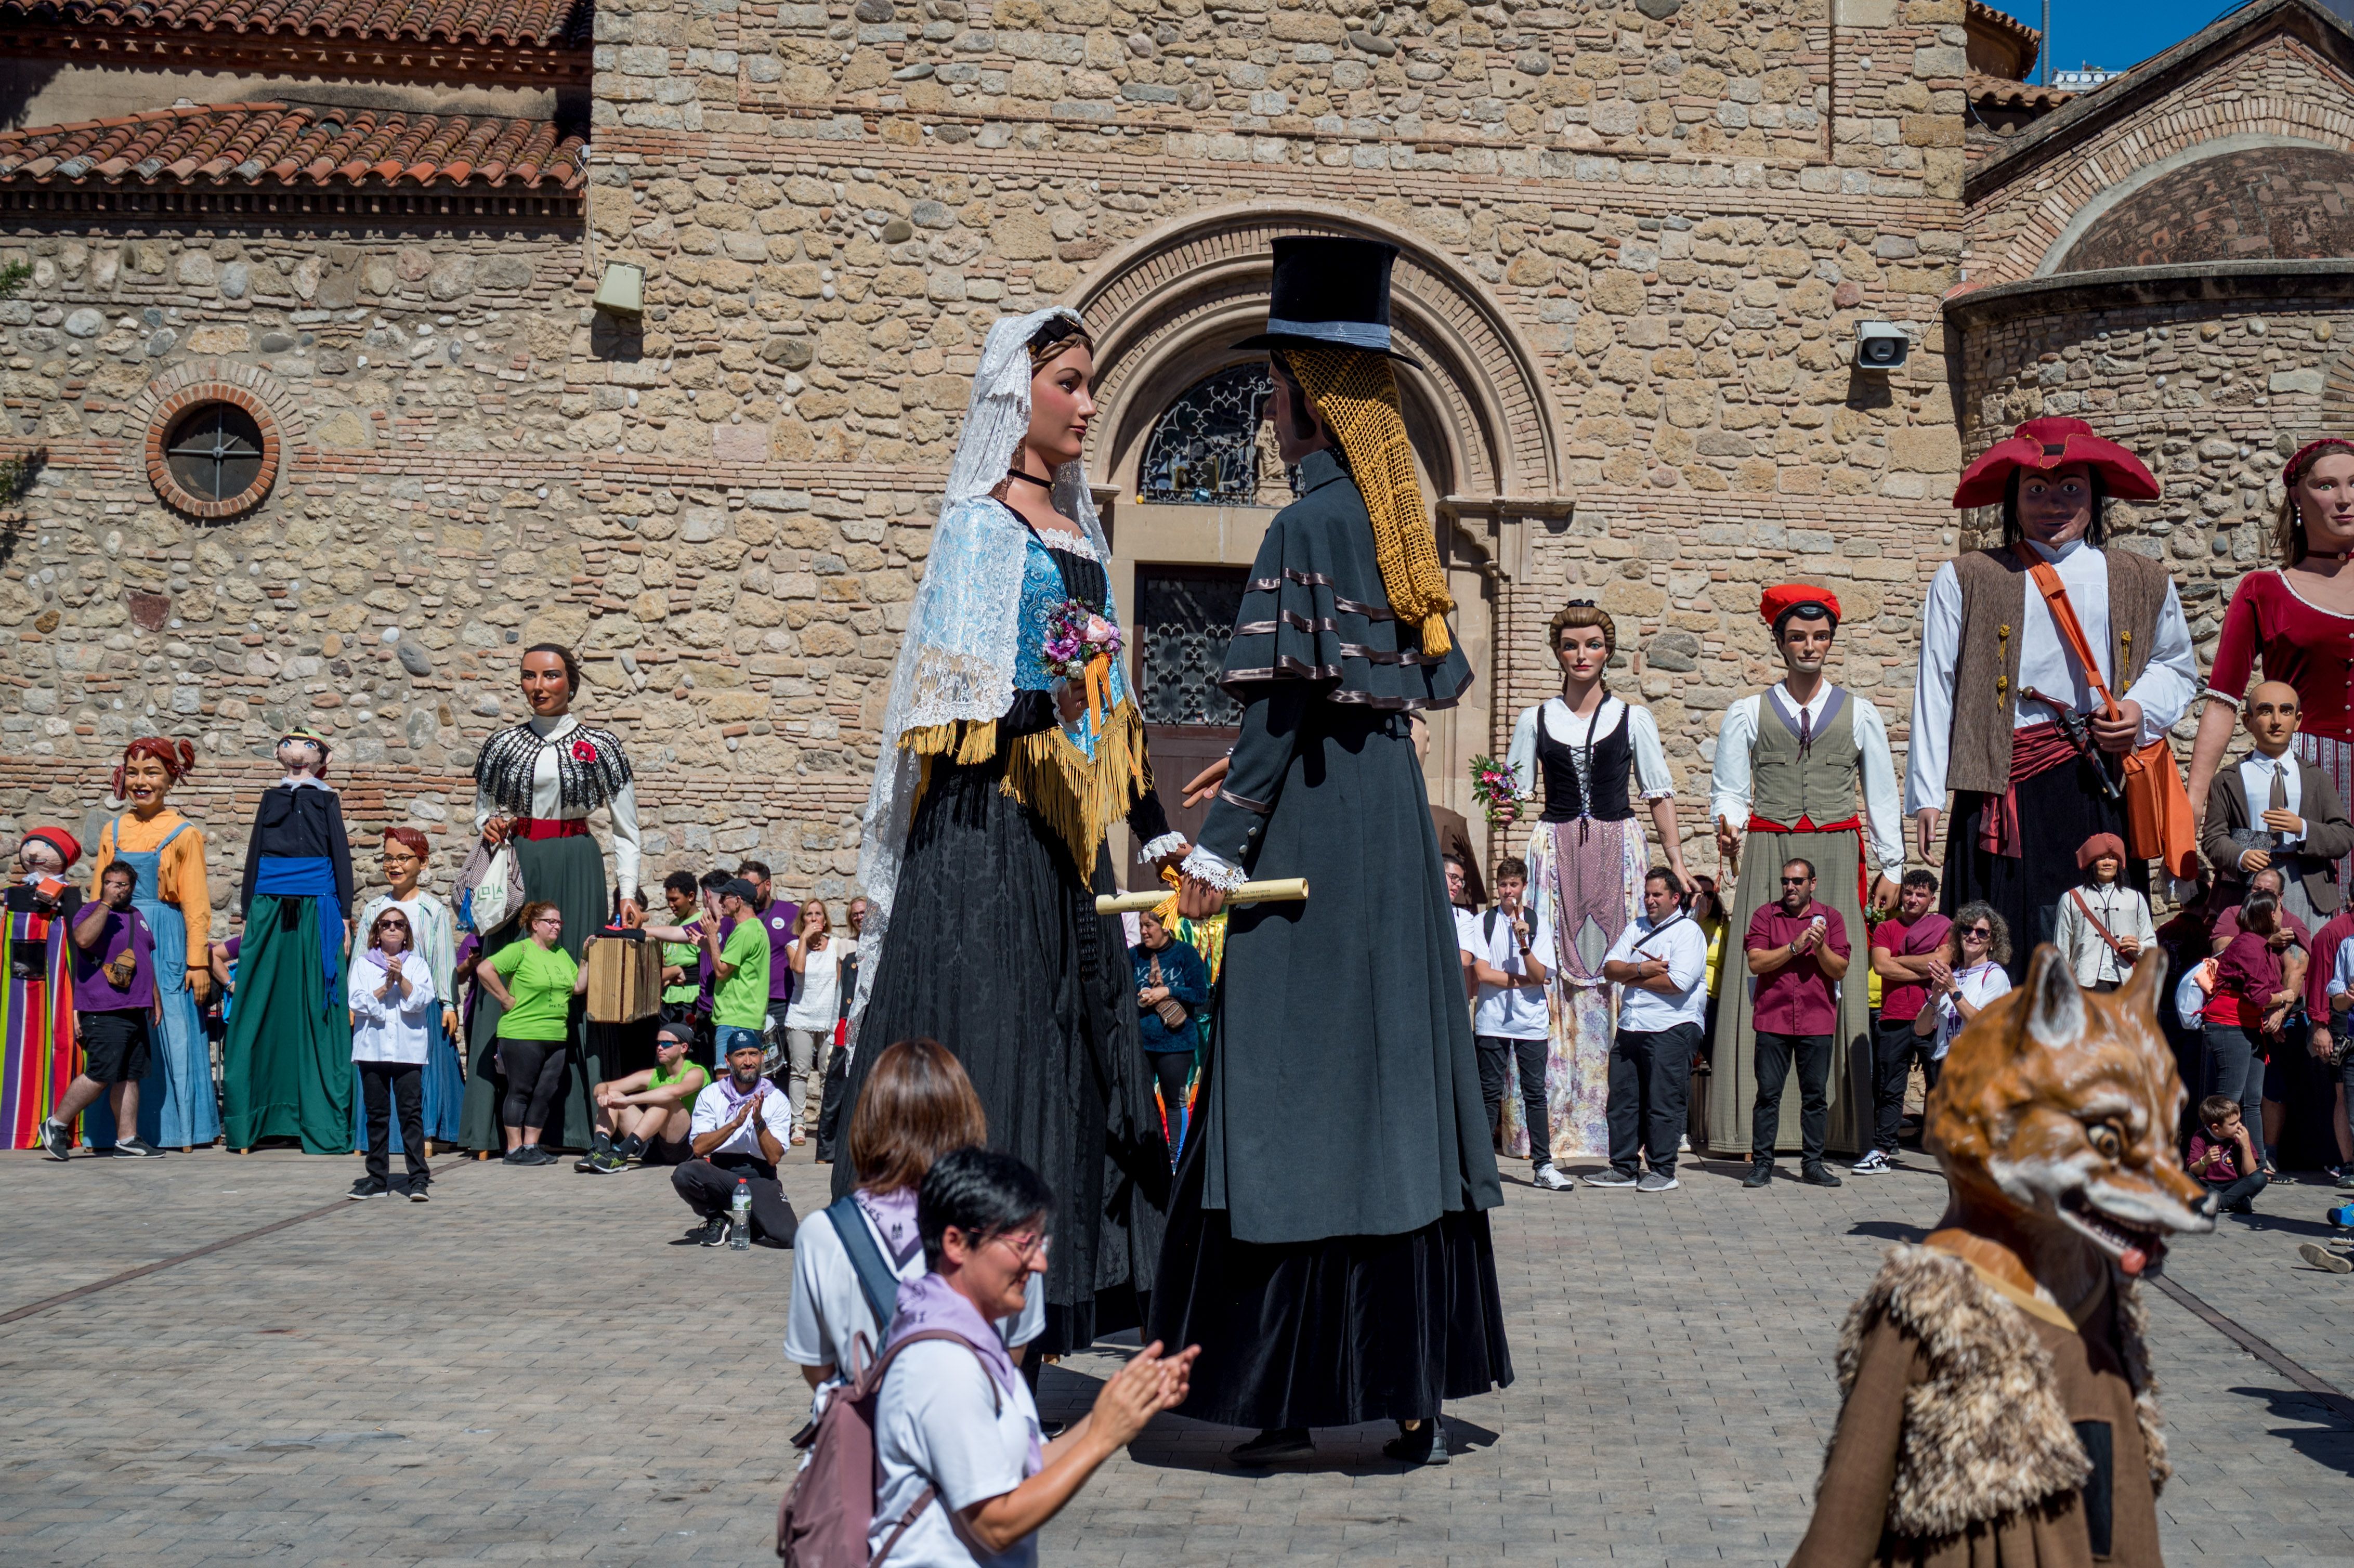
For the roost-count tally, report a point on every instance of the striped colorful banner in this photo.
(39, 1057)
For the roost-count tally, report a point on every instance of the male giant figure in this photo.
(1328, 1245)
(1789, 763)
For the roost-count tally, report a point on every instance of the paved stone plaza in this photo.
(527, 1369)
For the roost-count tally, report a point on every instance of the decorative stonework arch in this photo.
(2109, 197)
(1157, 302)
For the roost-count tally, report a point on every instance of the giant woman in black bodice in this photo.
(1011, 744)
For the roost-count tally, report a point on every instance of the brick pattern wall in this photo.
(2259, 204)
(2278, 87)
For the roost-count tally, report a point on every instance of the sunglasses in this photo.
(1978, 934)
(1795, 881)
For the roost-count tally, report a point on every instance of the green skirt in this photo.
(570, 875)
(286, 1060)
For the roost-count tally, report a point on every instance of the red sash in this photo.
(535, 828)
(1853, 823)
(2035, 748)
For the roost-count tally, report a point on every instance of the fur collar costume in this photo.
(1984, 1433)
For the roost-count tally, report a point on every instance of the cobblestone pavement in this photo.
(529, 1369)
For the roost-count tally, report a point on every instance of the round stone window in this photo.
(212, 451)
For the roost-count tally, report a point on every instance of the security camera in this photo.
(1880, 345)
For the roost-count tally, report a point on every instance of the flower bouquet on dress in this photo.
(1496, 789)
(1080, 646)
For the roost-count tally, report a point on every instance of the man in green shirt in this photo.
(648, 1110)
(682, 994)
(739, 966)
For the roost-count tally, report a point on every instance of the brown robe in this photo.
(1861, 1473)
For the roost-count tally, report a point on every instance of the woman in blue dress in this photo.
(1011, 744)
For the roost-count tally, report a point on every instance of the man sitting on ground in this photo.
(738, 1133)
(648, 1110)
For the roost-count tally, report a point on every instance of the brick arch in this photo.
(1203, 279)
(163, 400)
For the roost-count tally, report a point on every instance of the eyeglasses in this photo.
(1025, 1247)
(549, 920)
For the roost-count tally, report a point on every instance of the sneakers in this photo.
(2321, 1257)
(1610, 1177)
(713, 1232)
(631, 1151)
(366, 1187)
(1819, 1176)
(1760, 1172)
(1551, 1180)
(611, 1162)
(528, 1154)
(599, 1146)
(1873, 1164)
(416, 1193)
(136, 1149)
(2344, 1182)
(1657, 1182)
(57, 1140)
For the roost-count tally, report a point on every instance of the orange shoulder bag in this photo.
(2157, 806)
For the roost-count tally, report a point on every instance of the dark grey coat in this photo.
(1345, 1098)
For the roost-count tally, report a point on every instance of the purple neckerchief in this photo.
(929, 1301)
(894, 1214)
(735, 1096)
(376, 956)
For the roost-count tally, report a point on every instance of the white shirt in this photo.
(712, 1111)
(830, 1310)
(1730, 784)
(548, 800)
(1980, 983)
(2125, 912)
(2164, 689)
(2341, 971)
(1685, 947)
(816, 988)
(934, 1428)
(2256, 777)
(1652, 780)
(2198, 982)
(394, 1028)
(1509, 1012)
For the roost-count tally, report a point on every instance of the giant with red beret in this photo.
(1785, 600)
(2042, 445)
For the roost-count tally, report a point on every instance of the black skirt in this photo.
(2059, 809)
(996, 951)
(1331, 1332)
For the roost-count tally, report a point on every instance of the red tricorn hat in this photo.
(1784, 597)
(2046, 444)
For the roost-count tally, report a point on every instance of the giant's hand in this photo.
(1924, 830)
(2120, 734)
(1205, 784)
(1197, 899)
(200, 985)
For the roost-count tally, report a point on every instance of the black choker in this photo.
(1045, 485)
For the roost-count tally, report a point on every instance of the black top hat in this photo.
(1330, 293)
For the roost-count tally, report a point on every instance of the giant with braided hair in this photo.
(1356, 1219)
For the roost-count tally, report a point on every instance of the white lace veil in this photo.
(956, 659)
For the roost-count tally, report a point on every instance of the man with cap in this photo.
(735, 950)
(36, 1053)
(737, 1133)
(646, 1114)
(1327, 1245)
(1789, 761)
(2005, 714)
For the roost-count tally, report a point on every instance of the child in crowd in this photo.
(2102, 925)
(2224, 1157)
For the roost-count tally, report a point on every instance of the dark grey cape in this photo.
(1328, 1241)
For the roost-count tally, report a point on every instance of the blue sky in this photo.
(2114, 33)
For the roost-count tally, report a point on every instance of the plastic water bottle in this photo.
(739, 1229)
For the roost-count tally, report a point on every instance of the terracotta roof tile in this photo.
(296, 144)
(2003, 21)
(522, 22)
(2000, 92)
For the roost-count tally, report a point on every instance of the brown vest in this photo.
(1995, 587)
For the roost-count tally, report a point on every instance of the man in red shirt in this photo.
(1798, 952)
(1903, 948)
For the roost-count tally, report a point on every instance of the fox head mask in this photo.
(2057, 1111)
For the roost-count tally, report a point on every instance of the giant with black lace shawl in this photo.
(510, 756)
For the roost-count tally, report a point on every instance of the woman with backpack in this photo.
(849, 1258)
(955, 1429)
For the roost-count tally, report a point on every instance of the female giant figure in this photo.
(984, 837)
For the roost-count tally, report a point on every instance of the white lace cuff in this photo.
(1219, 874)
(1167, 843)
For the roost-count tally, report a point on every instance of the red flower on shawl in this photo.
(584, 751)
